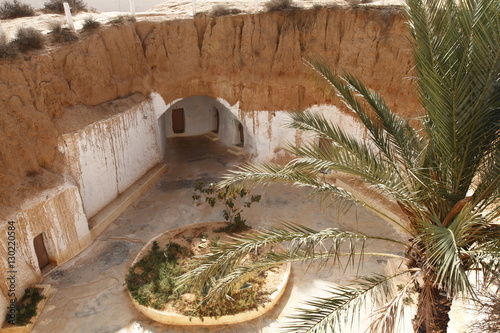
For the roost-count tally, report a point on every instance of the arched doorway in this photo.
(202, 115)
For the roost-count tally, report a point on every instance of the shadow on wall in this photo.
(199, 115)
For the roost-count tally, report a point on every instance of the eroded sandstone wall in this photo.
(253, 60)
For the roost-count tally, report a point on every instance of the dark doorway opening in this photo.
(41, 251)
(242, 135)
(178, 121)
(215, 120)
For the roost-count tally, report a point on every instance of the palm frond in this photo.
(338, 310)
(457, 57)
(302, 174)
(302, 243)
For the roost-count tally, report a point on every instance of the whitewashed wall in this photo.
(108, 156)
(199, 118)
(268, 134)
(58, 214)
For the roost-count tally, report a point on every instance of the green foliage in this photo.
(151, 281)
(27, 39)
(57, 6)
(15, 9)
(247, 297)
(279, 5)
(221, 10)
(444, 174)
(26, 306)
(59, 34)
(90, 23)
(234, 201)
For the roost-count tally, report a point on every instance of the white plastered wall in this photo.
(108, 156)
(56, 213)
(268, 133)
(199, 114)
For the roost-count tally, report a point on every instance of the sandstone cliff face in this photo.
(256, 60)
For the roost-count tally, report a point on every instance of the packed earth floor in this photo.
(89, 294)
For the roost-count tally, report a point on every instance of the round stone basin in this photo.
(276, 280)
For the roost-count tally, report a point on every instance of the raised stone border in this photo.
(177, 319)
(9, 328)
(99, 222)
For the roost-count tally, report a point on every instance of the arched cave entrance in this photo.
(202, 115)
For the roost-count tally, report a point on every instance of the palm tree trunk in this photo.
(433, 311)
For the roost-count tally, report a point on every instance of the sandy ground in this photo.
(149, 9)
(89, 295)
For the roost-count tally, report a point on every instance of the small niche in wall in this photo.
(41, 251)
(178, 121)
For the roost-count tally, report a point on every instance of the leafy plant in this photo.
(151, 281)
(57, 6)
(234, 201)
(14, 9)
(26, 306)
(444, 174)
(28, 38)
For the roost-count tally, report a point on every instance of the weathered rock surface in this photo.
(256, 60)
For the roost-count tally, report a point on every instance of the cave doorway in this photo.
(215, 119)
(241, 132)
(41, 251)
(178, 121)
(203, 115)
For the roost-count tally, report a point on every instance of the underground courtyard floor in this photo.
(89, 293)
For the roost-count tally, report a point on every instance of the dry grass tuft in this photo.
(28, 39)
(11, 10)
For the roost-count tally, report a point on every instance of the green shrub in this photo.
(234, 203)
(15, 9)
(277, 5)
(61, 35)
(56, 6)
(90, 23)
(221, 10)
(26, 306)
(28, 39)
(151, 281)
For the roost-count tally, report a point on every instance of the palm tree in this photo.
(443, 173)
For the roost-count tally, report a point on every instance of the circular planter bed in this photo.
(196, 238)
